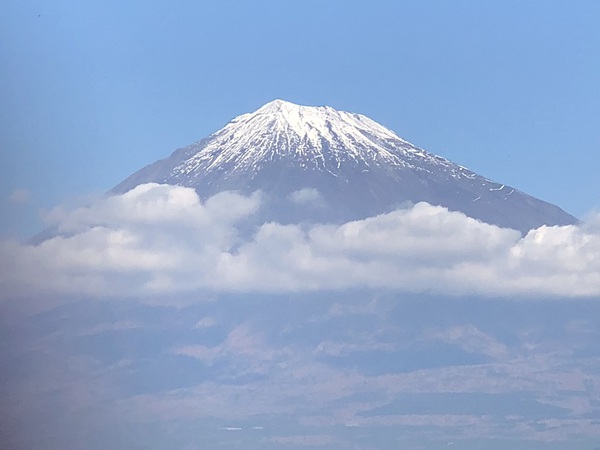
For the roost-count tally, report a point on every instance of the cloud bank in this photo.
(160, 238)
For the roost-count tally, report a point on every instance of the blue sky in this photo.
(93, 91)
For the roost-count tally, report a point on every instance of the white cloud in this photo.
(307, 196)
(206, 322)
(162, 239)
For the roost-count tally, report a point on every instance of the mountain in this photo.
(320, 164)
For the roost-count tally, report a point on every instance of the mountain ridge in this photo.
(359, 167)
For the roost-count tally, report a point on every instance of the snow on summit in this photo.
(312, 137)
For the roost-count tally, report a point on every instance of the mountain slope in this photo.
(320, 164)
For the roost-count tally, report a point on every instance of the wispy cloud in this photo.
(20, 196)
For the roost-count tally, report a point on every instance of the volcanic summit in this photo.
(321, 164)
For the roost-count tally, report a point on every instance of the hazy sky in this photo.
(92, 91)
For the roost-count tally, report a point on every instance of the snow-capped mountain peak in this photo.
(312, 123)
(310, 137)
(355, 166)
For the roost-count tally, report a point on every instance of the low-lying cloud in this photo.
(163, 239)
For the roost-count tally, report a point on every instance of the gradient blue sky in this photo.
(92, 91)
